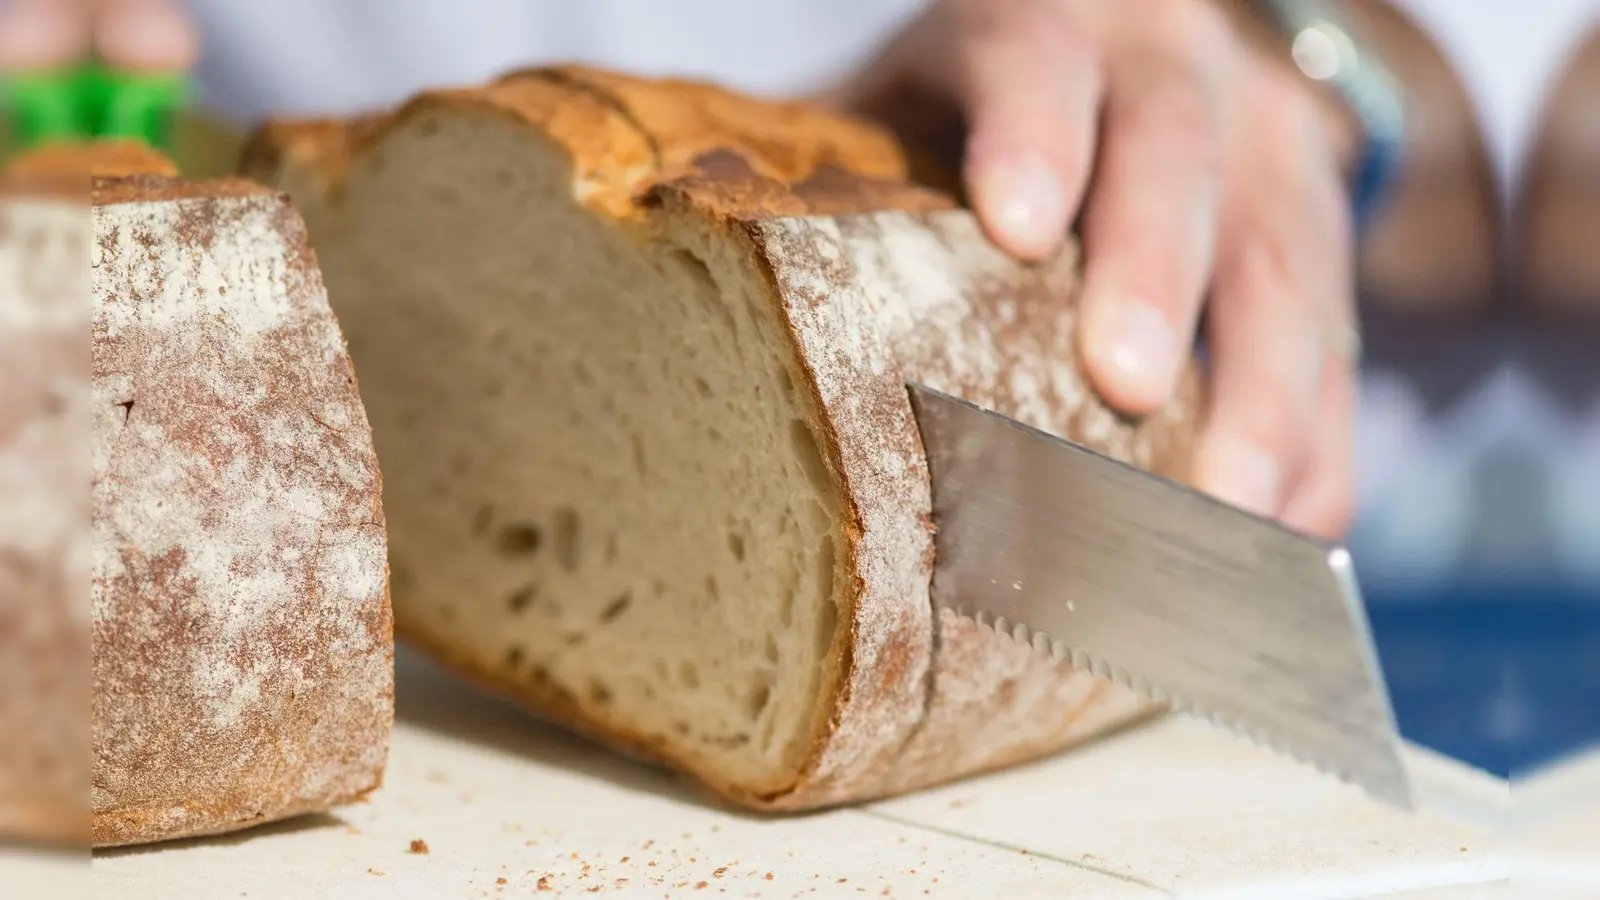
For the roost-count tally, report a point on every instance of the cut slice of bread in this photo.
(241, 629)
(634, 354)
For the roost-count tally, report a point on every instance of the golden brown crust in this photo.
(155, 187)
(108, 158)
(318, 145)
(781, 180)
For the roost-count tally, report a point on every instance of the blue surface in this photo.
(1503, 677)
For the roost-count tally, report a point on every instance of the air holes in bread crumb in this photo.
(521, 598)
(760, 696)
(736, 545)
(688, 675)
(514, 658)
(521, 539)
(827, 623)
(566, 538)
(824, 563)
(638, 456)
(697, 270)
(616, 608)
(790, 588)
(805, 449)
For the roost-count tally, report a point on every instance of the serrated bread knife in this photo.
(1182, 597)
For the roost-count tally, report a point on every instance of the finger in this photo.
(1323, 502)
(1149, 227)
(146, 35)
(1283, 292)
(38, 35)
(1030, 86)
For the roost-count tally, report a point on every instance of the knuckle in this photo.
(1013, 23)
(1280, 103)
(1182, 123)
(1269, 266)
(1272, 419)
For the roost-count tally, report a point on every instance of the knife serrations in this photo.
(1049, 647)
(1140, 579)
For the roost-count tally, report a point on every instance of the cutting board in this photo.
(481, 801)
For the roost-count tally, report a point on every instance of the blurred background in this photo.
(1478, 537)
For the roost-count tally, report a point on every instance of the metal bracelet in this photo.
(1330, 52)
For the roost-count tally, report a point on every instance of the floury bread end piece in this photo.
(635, 354)
(242, 637)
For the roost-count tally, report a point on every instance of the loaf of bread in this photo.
(634, 353)
(242, 638)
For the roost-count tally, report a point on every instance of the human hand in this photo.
(130, 35)
(1196, 170)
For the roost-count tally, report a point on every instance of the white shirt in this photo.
(1419, 474)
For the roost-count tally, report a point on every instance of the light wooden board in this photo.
(1176, 808)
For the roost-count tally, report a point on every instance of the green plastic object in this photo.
(91, 101)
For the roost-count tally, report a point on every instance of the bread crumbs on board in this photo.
(419, 847)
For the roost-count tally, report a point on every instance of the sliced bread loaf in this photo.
(634, 354)
(240, 618)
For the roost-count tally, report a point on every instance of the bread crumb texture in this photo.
(635, 357)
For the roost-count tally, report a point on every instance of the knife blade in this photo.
(1184, 598)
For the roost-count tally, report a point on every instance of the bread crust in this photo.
(912, 698)
(44, 618)
(242, 635)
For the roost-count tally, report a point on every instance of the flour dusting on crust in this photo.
(241, 627)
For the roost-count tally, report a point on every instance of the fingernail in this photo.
(1242, 474)
(1023, 198)
(1139, 346)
